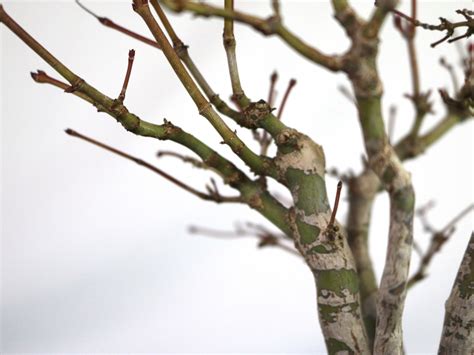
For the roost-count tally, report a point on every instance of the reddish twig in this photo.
(131, 57)
(336, 204)
(109, 23)
(266, 237)
(445, 25)
(215, 196)
(290, 86)
(271, 91)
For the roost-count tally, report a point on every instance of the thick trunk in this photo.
(458, 328)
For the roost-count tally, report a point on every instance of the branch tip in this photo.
(131, 57)
(291, 85)
(336, 204)
(90, 12)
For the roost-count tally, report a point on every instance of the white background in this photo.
(96, 256)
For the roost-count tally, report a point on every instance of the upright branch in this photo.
(131, 57)
(420, 100)
(291, 85)
(238, 94)
(270, 26)
(336, 204)
(458, 329)
(265, 139)
(204, 107)
(360, 66)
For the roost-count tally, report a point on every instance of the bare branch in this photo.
(266, 237)
(109, 23)
(272, 25)
(131, 57)
(215, 196)
(186, 159)
(291, 85)
(438, 239)
(255, 162)
(230, 45)
(445, 64)
(444, 25)
(336, 204)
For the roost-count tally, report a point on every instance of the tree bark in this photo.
(458, 329)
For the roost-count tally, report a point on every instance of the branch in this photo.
(346, 16)
(361, 194)
(215, 196)
(420, 100)
(186, 159)
(266, 238)
(256, 163)
(438, 239)
(271, 26)
(131, 57)
(109, 23)
(444, 25)
(458, 330)
(182, 51)
(251, 192)
(229, 45)
(385, 163)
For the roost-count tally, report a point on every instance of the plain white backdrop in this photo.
(96, 256)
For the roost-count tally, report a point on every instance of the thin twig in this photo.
(271, 90)
(445, 64)
(41, 77)
(336, 204)
(266, 237)
(276, 8)
(291, 85)
(186, 159)
(230, 45)
(230, 138)
(109, 23)
(211, 197)
(131, 57)
(445, 25)
(438, 239)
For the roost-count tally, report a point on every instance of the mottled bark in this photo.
(458, 329)
(362, 192)
(301, 165)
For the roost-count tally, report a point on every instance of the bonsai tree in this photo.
(357, 314)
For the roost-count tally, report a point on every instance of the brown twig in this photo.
(438, 239)
(291, 85)
(215, 196)
(271, 90)
(336, 204)
(266, 237)
(445, 64)
(186, 159)
(41, 77)
(131, 57)
(109, 23)
(445, 25)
